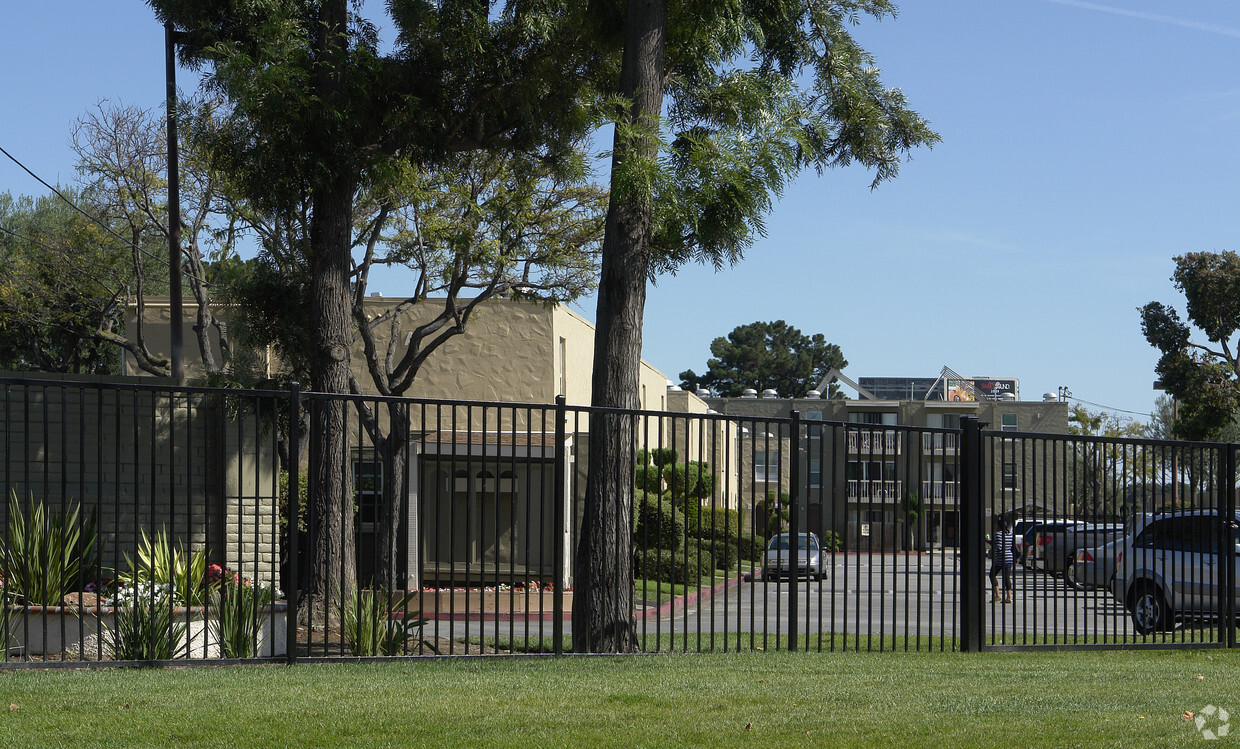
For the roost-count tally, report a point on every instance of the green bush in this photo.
(45, 553)
(831, 541)
(656, 523)
(663, 456)
(647, 478)
(720, 522)
(689, 481)
(670, 566)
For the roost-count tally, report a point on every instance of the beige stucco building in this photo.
(481, 471)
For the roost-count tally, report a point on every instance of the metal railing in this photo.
(420, 527)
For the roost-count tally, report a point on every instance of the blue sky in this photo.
(1084, 145)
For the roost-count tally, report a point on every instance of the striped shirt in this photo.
(1001, 549)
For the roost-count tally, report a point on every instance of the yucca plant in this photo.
(180, 570)
(46, 553)
(240, 614)
(369, 628)
(146, 626)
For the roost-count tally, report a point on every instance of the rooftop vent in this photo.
(1049, 397)
(813, 395)
(749, 393)
(770, 393)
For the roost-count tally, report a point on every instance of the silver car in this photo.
(779, 560)
(1094, 568)
(1170, 568)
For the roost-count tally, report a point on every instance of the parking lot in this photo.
(886, 596)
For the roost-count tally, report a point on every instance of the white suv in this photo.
(1170, 568)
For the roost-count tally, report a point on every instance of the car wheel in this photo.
(1070, 578)
(1149, 610)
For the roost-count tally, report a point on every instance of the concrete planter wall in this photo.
(62, 631)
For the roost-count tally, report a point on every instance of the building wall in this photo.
(850, 497)
(144, 461)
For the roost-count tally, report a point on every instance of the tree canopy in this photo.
(715, 107)
(764, 355)
(1203, 377)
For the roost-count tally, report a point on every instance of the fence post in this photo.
(1227, 539)
(794, 528)
(557, 606)
(972, 533)
(294, 512)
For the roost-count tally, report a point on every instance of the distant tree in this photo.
(1101, 468)
(765, 355)
(61, 285)
(1203, 377)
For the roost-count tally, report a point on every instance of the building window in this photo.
(1009, 422)
(873, 417)
(368, 490)
(1009, 475)
(564, 366)
(815, 472)
(766, 467)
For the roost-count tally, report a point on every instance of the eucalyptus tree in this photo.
(716, 105)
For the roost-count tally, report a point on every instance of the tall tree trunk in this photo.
(333, 570)
(392, 506)
(603, 574)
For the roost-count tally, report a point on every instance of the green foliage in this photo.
(656, 524)
(764, 355)
(729, 550)
(1204, 377)
(46, 553)
(663, 456)
(240, 610)
(679, 567)
(831, 541)
(182, 572)
(58, 276)
(146, 626)
(911, 504)
(773, 512)
(377, 623)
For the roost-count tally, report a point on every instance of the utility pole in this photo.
(174, 208)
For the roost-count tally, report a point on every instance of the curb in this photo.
(645, 614)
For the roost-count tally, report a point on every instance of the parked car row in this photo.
(1164, 569)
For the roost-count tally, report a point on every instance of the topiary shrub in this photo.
(656, 523)
(676, 567)
(831, 541)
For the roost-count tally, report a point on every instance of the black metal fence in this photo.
(152, 523)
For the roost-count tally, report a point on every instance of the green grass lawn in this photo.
(1116, 698)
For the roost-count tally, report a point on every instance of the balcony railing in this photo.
(938, 491)
(876, 442)
(935, 443)
(879, 490)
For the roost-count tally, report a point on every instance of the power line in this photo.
(1110, 408)
(108, 229)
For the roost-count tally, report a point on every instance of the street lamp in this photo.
(174, 207)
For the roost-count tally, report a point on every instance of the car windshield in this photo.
(806, 542)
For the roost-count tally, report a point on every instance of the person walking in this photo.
(1002, 560)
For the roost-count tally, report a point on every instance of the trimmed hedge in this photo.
(670, 566)
(656, 524)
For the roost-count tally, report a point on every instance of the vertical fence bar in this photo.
(293, 594)
(794, 529)
(557, 552)
(971, 609)
(1227, 544)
